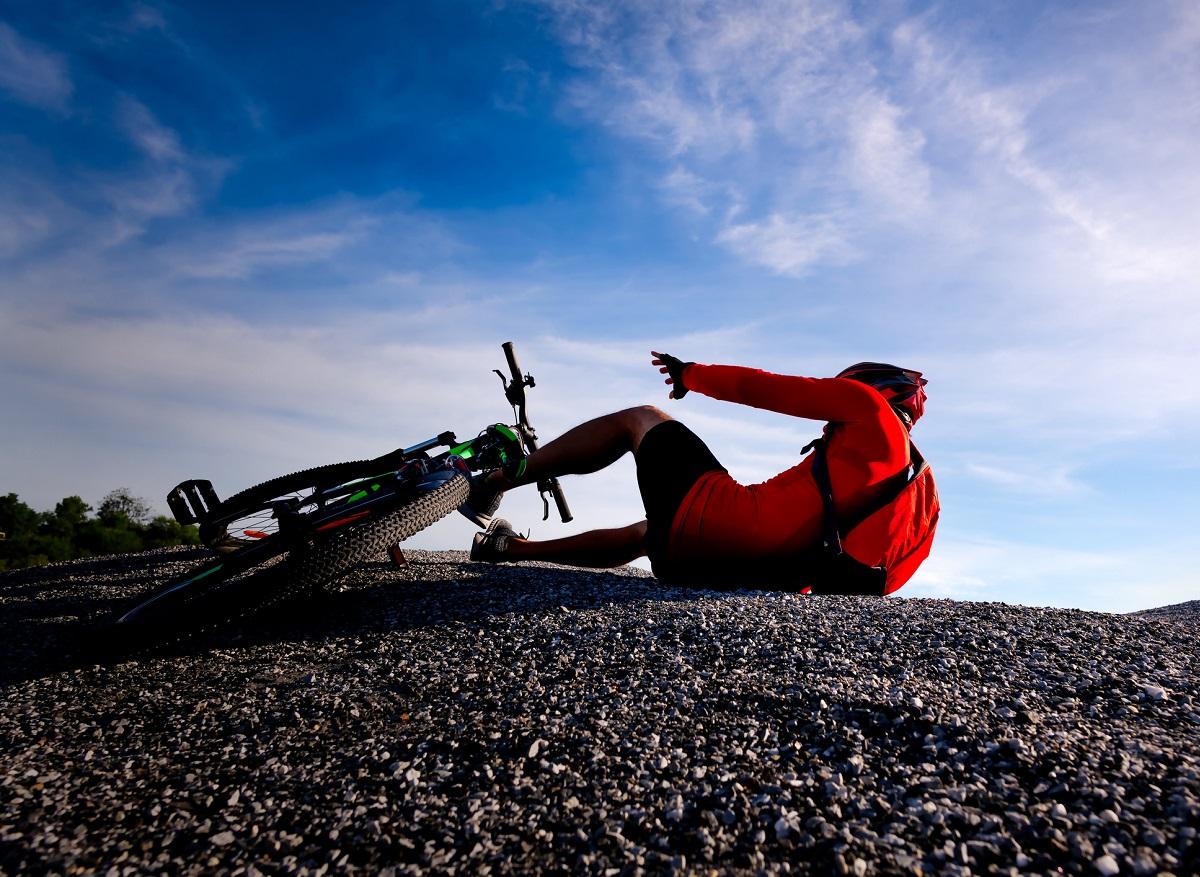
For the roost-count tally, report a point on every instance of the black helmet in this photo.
(903, 388)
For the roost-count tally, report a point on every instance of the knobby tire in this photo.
(324, 562)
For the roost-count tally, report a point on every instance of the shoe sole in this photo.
(479, 542)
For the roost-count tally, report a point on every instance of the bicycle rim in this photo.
(249, 516)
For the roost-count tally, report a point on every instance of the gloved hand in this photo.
(673, 367)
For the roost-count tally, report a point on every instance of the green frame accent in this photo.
(362, 494)
(466, 450)
(205, 574)
(508, 433)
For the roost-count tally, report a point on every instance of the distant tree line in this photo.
(121, 525)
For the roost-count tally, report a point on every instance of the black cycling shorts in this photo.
(670, 460)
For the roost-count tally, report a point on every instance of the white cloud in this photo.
(807, 134)
(771, 113)
(83, 213)
(991, 569)
(143, 17)
(387, 240)
(96, 247)
(1067, 401)
(156, 140)
(19, 230)
(996, 118)
(683, 188)
(169, 182)
(885, 162)
(401, 278)
(33, 74)
(31, 215)
(1032, 478)
(789, 244)
(1074, 138)
(141, 198)
(1117, 579)
(255, 250)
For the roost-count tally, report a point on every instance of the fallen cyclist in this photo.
(856, 516)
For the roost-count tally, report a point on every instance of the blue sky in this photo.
(236, 241)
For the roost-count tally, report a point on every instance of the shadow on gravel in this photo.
(376, 599)
(147, 564)
(44, 610)
(45, 614)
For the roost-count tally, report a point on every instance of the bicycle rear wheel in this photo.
(265, 575)
(248, 516)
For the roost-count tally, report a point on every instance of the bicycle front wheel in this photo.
(325, 561)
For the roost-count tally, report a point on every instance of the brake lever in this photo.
(544, 489)
(514, 391)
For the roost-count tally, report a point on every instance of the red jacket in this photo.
(721, 518)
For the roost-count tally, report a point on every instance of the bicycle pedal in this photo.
(193, 501)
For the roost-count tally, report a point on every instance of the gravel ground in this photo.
(1188, 612)
(456, 718)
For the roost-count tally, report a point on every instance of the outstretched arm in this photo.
(834, 399)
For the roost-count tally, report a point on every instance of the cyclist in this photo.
(696, 514)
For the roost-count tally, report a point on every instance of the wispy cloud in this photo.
(169, 181)
(683, 188)
(1064, 401)
(391, 241)
(790, 244)
(992, 569)
(884, 157)
(32, 214)
(254, 250)
(801, 131)
(1032, 479)
(33, 74)
(771, 114)
(84, 212)
(1043, 131)
(157, 141)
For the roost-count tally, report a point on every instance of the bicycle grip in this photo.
(511, 356)
(560, 500)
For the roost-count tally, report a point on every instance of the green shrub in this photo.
(122, 525)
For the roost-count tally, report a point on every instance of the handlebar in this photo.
(514, 391)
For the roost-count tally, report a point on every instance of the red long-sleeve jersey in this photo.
(721, 518)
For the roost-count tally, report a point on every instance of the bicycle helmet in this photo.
(903, 388)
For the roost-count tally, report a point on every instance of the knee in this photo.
(640, 420)
(647, 414)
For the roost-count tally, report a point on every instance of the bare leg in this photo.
(588, 447)
(600, 549)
